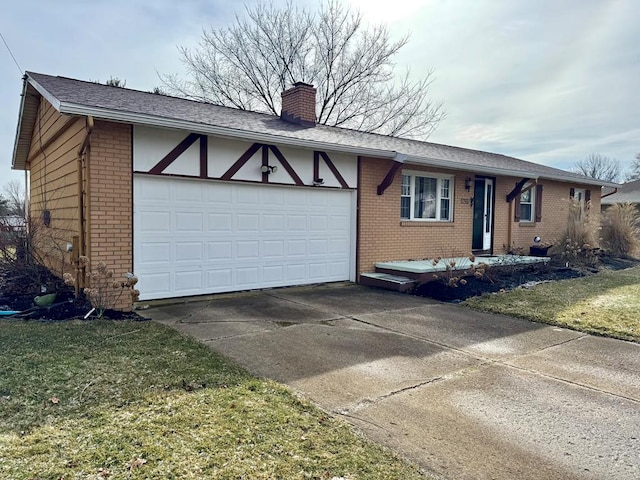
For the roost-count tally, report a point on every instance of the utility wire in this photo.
(11, 53)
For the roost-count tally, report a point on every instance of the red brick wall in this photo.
(383, 236)
(110, 222)
(300, 103)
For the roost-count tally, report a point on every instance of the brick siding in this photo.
(383, 236)
(111, 200)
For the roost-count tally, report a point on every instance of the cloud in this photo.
(545, 81)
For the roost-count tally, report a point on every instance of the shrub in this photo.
(104, 291)
(620, 230)
(457, 268)
(578, 243)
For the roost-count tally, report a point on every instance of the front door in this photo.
(483, 197)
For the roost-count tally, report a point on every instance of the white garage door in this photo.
(195, 237)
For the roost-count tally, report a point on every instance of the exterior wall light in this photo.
(268, 169)
(467, 184)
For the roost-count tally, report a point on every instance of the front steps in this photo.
(390, 282)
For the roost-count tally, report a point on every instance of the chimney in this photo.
(299, 104)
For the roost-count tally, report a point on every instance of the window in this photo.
(528, 205)
(405, 197)
(527, 200)
(582, 197)
(426, 197)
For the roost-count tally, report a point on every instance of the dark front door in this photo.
(482, 214)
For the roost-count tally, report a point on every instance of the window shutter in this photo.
(516, 213)
(587, 196)
(572, 192)
(538, 203)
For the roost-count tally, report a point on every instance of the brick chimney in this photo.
(299, 105)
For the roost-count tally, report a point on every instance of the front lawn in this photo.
(605, 304)
(105, 399)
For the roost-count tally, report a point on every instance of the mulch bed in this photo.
(17, 293)
(509, 279)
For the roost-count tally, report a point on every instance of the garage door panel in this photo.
(188, 251)
(272, 198)
(223, 195)
(154, 253)
(157, 285)
(296, 222)
(296, 248)
(219, 222)
(189, 195)
(273, 223)
(318, 247)
(190, 238)
(247, 249)
(221, 250)
(188, 281)
(219, 280)
(273, 249)
(247, 222)
(271, 275)
(188, 222)
(155, 222)
(247, 277)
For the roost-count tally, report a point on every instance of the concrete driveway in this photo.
(466, 395)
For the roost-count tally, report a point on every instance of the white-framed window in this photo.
(426, 196)
(527, 206)
(580, 196)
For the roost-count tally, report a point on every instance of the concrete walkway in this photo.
(466, 395)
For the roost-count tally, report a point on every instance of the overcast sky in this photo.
(549, 81)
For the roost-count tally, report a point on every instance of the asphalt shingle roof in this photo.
(151, 106)
(627, 192)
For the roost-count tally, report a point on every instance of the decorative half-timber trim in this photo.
(190, 139)
(182, 147)
(517, 190)
(316, 168)
(388, 180)
(294, 176)
(244, 158)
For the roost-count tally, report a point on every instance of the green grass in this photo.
(604, 304)
(106, 399)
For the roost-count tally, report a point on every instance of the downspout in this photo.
(82, 156)
(510, 228)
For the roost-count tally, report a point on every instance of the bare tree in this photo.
(14, 193)
(598, 166)
(634, 173)
(248, 64)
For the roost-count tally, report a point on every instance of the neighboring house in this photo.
(196, 198)
(626, 193)
(12, 223)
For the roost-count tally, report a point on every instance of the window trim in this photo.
(412, 185)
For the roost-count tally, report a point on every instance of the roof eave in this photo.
(19, 159)
(470, 168)
(32, 91)
(506, 171)
(163, 122)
